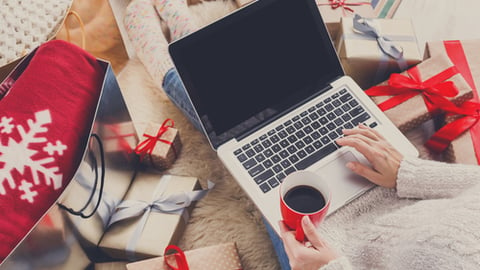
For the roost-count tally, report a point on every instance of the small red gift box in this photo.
(161, 146)
(416, 95)
(459, 137)
(218, 257)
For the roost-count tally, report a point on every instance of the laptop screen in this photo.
(254, 65)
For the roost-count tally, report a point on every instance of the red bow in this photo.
(334, 4)
(180, 258)
(444, 136)
(434, 90)
(147, 146)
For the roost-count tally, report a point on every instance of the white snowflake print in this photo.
(18, 156)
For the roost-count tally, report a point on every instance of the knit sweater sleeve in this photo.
(427, 179)
(341, 263)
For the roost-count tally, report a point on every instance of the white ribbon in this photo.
(368, 29)
(171, 204)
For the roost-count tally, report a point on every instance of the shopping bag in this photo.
(54, 106)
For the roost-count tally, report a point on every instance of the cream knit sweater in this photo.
(431, 221)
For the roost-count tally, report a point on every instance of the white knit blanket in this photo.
(25, 24)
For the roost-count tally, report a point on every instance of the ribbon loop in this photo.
(369, 28)
(334, 4)
(148, 145)
(441, 139)
(161, 203)
(180, 258)
(435, 90)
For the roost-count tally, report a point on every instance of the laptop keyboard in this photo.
(302, 140)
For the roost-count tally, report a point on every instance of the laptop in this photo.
(272, 97)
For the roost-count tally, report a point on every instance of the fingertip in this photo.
(306, 221)
(350, 165)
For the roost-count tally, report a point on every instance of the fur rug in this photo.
(226, 214)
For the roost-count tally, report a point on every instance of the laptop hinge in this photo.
(261, 125)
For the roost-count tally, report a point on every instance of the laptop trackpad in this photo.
(344, 184)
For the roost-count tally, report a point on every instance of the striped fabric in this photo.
(385, 8)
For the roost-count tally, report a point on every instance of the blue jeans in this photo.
(175, 90)
(173, 86)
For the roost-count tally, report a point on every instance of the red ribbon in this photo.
(470, 109)
(434, 90)
(180, 258)
(148, 145)
(444, 136)
(122, 142)
(334, 4)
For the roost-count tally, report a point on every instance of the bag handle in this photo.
(82, 27)
(80, 212)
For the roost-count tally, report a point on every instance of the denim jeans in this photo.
(173, 86)
(175, 90)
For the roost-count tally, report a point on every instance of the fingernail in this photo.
(306, 220)
(350, 165)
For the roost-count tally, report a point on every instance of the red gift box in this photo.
(416, 95)
(460, 136)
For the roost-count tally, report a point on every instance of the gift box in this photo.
(89, 231)
(461, 147)
(161, 145)
(416, 95)
(119, 138)
(218, 257)
(371, 49)
(153, 215)
(333, 10)
(110, 266)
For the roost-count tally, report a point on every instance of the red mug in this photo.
(303, 193)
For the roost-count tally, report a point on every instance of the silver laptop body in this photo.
(272, 97)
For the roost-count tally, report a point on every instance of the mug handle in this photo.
(299, 233)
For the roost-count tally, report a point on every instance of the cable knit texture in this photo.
(429, 222)
(28, 23)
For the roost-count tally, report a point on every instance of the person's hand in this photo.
(383, 157)
(310, 255)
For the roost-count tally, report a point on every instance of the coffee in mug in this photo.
(303, 193)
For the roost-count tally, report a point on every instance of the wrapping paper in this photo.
(218, 257)
(89, 231)
(364, 60)
(414, 111)
(119, 137)
(464, 54)
(333, 11)
(161, 228)
(161, 145)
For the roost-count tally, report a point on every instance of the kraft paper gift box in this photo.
(464, 54)
(333, 10)
(119, 138)
(151, 226)
(161, 145)
(110, 266)
(90, 230)
(369, 61)
(433, 74)
(218, 257)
